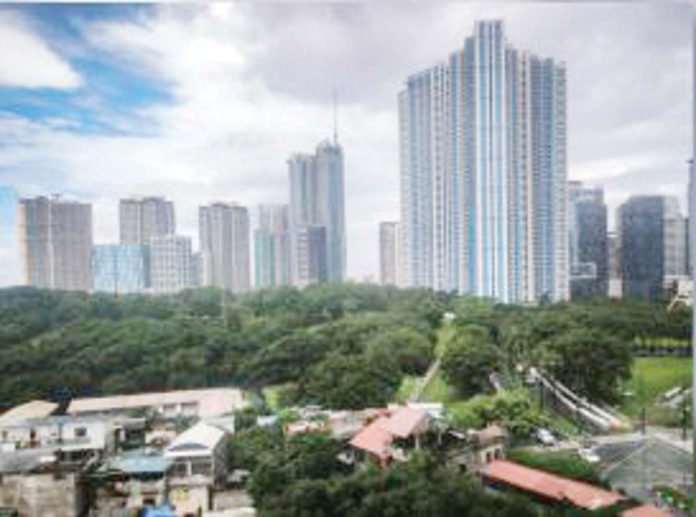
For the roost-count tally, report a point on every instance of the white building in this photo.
(203, 403)
(483, 173)
(389, 253)
(56, 243)
(171, 264)
(224, 235)
(197, 461)
(141, 219)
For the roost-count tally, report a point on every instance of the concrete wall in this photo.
(41, 494)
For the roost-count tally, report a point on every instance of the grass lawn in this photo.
(652, 377)
(272, 396)
(408, 385)
(438, 390)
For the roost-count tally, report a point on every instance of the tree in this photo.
(469, 359)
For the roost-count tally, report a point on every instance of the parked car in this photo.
(589, 455)
(545, 437)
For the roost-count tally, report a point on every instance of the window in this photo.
(80, 432)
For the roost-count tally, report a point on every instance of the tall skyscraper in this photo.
(587, 229)
(317, 201)
(272, 246)
(483, 173)
(56, 242)
(224, 234)
(119, 268)
(615, 270)
(389, 253)
(171, 267)
(653, 245)
(140, 219)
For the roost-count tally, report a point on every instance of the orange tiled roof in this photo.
(647, 510)
(404, 421)
(549, 485)
(374, 439)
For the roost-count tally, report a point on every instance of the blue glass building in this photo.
(483, 173)
(119, 268)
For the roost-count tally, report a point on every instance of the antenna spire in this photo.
(335, 117)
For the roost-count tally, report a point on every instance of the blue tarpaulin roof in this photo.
(159, 511)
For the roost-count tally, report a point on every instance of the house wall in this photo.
(41, 494)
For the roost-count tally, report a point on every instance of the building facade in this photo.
(653, 245)
(171, 268)
(317, 201)
(389, 254)
(119, 268)
(587, 231)
(140, 219)
(272, 246)
(56, 243)
(224, 235)
(483, 173)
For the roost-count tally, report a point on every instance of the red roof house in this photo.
(549, 487)
(647, 510)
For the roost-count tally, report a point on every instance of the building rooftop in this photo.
(137, 462)
(374, 438)
(647, 510)
(404, 421)
(32, 409)
(199, 440)
(550, 486)
(212, 402)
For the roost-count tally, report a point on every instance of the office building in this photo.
(317, 201)
(140, 219)
(614, 253)
(119, 268)
(483, 173)
(171, 268)
(389, 253)
(587, 229)
(272, 246)
(56, 243)
(224, 235)
(653, 245)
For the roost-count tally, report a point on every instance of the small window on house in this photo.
(80, 432)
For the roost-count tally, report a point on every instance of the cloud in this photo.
(251, 83)
(26, 61)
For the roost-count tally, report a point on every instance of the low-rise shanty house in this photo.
(391, 437)
(129, 482)
(36, 482)
(197, 462)
(76, 438)
(31, 409)
(473, 450)
(547, 488)
(198, 404)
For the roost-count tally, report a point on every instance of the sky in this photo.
(204, 103)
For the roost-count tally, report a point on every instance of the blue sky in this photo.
(202, 103)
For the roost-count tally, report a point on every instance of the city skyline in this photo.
(117, 142)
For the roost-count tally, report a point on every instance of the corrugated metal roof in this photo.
(646, 510)
(32, 409)
(201, 439)
(550, 486)
(404, 421)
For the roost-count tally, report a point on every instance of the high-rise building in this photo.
(171, 268)
(272, 246)
(587, 230)
(317, 201)
(119, 268)
(56, 242)
(653, 245)
(614, 253)
(389, 253)
(483, 173)
(140, 219)
(224, 235)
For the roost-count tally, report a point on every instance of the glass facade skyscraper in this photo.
(588, 241)
(483, 173)
(119, 268)
(316, 203)
(272, 246)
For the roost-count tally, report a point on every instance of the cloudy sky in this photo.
(202, 103)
